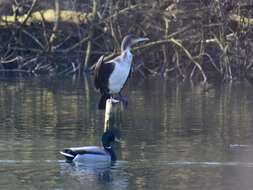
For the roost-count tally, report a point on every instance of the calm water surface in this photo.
(174, 136)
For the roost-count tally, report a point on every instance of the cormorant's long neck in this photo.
(125, 45)
(126, 56)
(126, 51)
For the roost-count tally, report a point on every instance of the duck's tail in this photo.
(102, 101)
(69, 157)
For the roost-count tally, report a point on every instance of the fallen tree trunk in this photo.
(242, 20)
(49, 16)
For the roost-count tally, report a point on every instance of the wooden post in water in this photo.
(113, 111)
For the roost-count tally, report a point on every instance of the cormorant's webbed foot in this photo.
(122, 99)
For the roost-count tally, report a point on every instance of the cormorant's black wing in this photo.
(97, 77)
(102, 73)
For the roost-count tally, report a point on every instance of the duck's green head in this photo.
(107, 138)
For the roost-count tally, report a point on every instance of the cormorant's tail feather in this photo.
(102, 101)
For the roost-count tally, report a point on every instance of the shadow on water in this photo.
(174, 135)
(91, 174)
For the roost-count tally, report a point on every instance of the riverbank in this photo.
(189, 39)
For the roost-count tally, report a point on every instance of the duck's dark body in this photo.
(111, 76)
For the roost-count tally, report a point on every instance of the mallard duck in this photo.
(92, 153)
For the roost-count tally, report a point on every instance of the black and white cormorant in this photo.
(112, 75)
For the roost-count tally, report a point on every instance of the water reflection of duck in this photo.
(94, 175)
(111, 76)
(92, 153)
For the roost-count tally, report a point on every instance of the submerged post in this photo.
(113, 110)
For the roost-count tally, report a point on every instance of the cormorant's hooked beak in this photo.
(137, 40)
